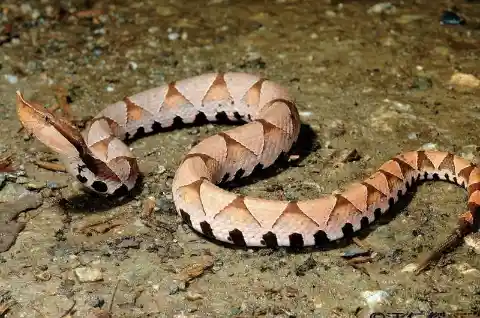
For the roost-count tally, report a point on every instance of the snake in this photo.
(269, 125)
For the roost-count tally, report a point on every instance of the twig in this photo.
(51, 166)
(69, 310)
(361, 244)
(5, 164)
(113, 296)
(451, 241)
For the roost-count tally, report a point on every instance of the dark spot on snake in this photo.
(425, 175)
(463, 184)
(207, 229)
(237, 237)
(296, 240)
(200, 118)
(239, 173)
(186, 217)
(408, 185)
(320, 238)
(436, 176)
(454, 179)
(237, 116)
(391, 201)
(127, 136)
(140, 133)
(81, 178)
(225, 177)
(222, 117)
(347, 230)
(177, 121)
(257, 168)
(249, 117)
(270, 240)
(399, 193)
(99, 186)
(377, 213)
(364, 222)
(121, 191)
(232, 102)
(156, 126)
(447, 177)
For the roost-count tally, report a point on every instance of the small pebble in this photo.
(109, 88)
(306, 114)
(53, 185)
(34, 185)
(330, 13)
(22, 180)
(355, 252)
(87, 274)
(429, 146)
(12, 79)
(375, 298)
(409, 18)
(464, 81)
(451, 18)
(422, 83)
(129, 242)
(410, 268)
(412, 136)
(96, 301)
(193, 296)
(383, 7)
(132, 65)
(97, 51)
(473, 240)
(172, 36)
(161, 169)
(466, 269)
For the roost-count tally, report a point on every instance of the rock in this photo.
(452, 18)
(382, 7)
(26, 201)
(421, 83)
(88, 274)
(129, 242)
(464, 82)
(429, 146)
(12, 79)
(375, 298)
(410, 268)
(473, 240)
(466, 269)
(309, 264)
(408, 18)
(96, 301)
(193, 296)
(8, 234)
(9, 211)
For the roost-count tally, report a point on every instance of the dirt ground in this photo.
(371, 80)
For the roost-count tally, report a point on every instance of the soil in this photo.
(370, 83)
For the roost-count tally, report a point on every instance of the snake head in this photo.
(90, 165)
(54, 131)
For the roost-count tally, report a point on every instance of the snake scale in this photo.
(100, 160)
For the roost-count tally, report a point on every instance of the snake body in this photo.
(99, 159)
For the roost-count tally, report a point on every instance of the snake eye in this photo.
(99, 186)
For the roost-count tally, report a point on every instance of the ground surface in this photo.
(369, 85)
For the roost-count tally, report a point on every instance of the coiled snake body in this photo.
(101, 161)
